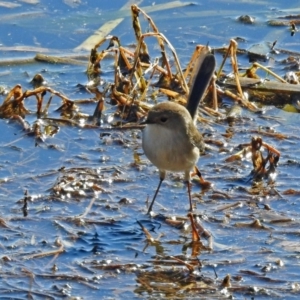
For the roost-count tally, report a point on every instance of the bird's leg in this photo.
(161, 179)
(187, 179)
(189, 185)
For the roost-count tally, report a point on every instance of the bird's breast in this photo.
(168, 149)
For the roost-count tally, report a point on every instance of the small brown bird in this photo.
(170, 140)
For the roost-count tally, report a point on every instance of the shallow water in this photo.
(105, 252)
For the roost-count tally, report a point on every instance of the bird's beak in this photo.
(145, 122)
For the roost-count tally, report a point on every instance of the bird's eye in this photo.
(163, 119)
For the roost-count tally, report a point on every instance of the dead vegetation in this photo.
(139, 79)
